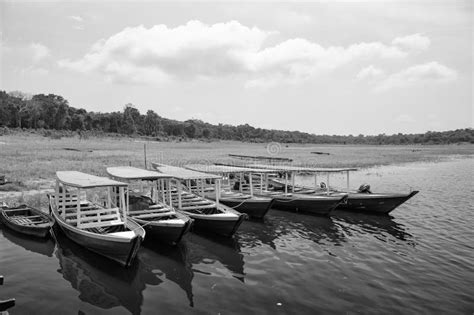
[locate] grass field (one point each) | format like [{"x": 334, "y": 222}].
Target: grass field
[{"x": 29, "y": 162}]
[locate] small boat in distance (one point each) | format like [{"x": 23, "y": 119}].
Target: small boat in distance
[
  {"x": 254, "y": 206},
  {"x": 105, "y": 230},
  {"x": 26, "y": 220},
  {"x": 209, "y": 216},
  {"x": 159, "y": 219}
]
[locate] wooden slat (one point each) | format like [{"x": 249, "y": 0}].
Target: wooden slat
[
  {"x": 103, "y": 218},
  {"x": 198, "y": 207},
  {"x": 101, "y": 224},
  {"x": 149, "y": 211},
  {"x": 153, "y": 215}
]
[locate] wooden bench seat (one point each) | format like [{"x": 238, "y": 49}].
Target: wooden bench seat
[
  {"x": 152, "y": 215},
  {"x": 198, "y": 207},
  {"x": 149, "y": 211}
]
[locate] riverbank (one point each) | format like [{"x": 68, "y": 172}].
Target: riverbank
[{"x": 29, "y": 162}]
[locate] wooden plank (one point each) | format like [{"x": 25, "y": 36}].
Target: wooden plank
[
  {"x": 153, "y": 215},
  {"x": 149, "y": 211},
  {"x": 103, "y": 218},
  {"x": 198, "y": 207},
  {"x": 101, "y": 224}
]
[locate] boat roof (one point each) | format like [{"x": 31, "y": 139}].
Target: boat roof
[
  {"x": 182, "y": 173},
  {"x": 134, "y": 173},
  {"x": 291, "y": 168},
  {"x": 224, "y": 169},
  {"x": 83, "y": 180}
]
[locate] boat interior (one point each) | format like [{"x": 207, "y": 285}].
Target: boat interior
[
  {"x": 23, "y": 215},
  {"x": 93, "y": 217}
]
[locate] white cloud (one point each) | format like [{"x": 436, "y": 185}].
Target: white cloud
[
  {"x": 76, "y": 18},
  {"x": 197, "y": 50},
  {"x": 414, "y": 42},
  {"x": 431, "y": 72},
  {"x": 39, "y": 51},
  {"x": 370, "y": 73}
]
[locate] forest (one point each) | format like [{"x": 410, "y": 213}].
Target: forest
[{"x": 52, "y": 112}]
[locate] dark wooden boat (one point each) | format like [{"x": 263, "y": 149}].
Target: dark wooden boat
[
  {"x": 104, "y": 230},
  {"x": 256, "y": 206},
  {"x": 359, "y": 201},
  {"x": 161, "y": 222},
  {"x": 242, "y": 200},
  {"x": 311, "y": 204},
  {"x": 382, "y": 203},
  {"x": 26, "y": 220},
  {"x": 208, "y": 215}
]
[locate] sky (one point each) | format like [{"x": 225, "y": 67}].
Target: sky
[{"x": 324, "y": 67}]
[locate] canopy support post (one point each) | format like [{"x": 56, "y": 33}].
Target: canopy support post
[
  {"x": 286, "y": 183},
  {"x": 218, "y": 190},
  {"x": 179, "y": 195},
  {"x": 347, "y": 181},
  {"x": 78, "y": 210},
  {"x": 293, "y": 182},
  {"x": 251, "y": 184},
  {"x": 327, "y": 186}
]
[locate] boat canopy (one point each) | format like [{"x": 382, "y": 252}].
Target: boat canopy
[
  {"x": 134, "y": 173},
  {"x": 182, "y": 173},
  {"x": 224, "y": 169},
  {"x": 290, "y": 168},
  {"x": 83, "y": 180}
]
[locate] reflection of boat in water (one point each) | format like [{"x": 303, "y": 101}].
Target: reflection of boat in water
[
  {"x": 223, "y": 250},
  {"x": 36, "y": 245},
  {"x": 282, "y": 225},
  {"x": 376, "y": 225},
  {"x": 172, "y": 262},
  {"x": 100, "y": 282}
]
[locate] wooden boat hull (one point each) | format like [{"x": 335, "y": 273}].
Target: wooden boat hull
[
  {"x": 225, "y": 223},
  {"x": 123, "y": 252},
  {"x": 255, "y": 208},
  {"x": 317, "y": 205},
  {"x": 40, "y": 231},
  {"x": 374, "y": 203},
  {"x": 220, "y": 227},
  {"x": 167, "y": 232}
]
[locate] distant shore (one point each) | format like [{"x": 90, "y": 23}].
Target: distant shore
[{"x": 30, "y": 160}]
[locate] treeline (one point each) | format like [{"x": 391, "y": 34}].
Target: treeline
[{"x": 52, "y": 112}]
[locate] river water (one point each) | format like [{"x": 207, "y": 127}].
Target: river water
[{"x": 419, "y": 260}]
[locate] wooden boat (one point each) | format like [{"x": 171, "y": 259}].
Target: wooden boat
[
  {"x": 209, "y": 215},
  {"x": 362, "y": 200},
  {"x": 159, "y": 220},
  {"x": 26, "y": 220},
  {"x": 105, "y": 230},
  {"x": 5, "y": 304},
  {"x": 254, "y": 206},
  {"x": 291, "y": 200}
]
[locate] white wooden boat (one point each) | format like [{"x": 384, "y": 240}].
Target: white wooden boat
[
  {"x": 209, "y": 215},
  {"x": 243, "y": 200},
  {"x": 105, "y": 230},
  {"x": 159, "y": 219},
  {"x": 291, "y": 200}
]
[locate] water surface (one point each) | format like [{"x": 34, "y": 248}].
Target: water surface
[{"x": 418, "y": 260}]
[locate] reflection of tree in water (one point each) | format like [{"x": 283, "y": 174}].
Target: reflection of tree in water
[
  {"x": 172, "y": 262},
  {"x": 32, "y": 244},
  {"x": 100, "y": 281},
  {"x": 286, "y": 225},
  {"x": 221, "y": 249},
  {"x": 377, "y": 225}
]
